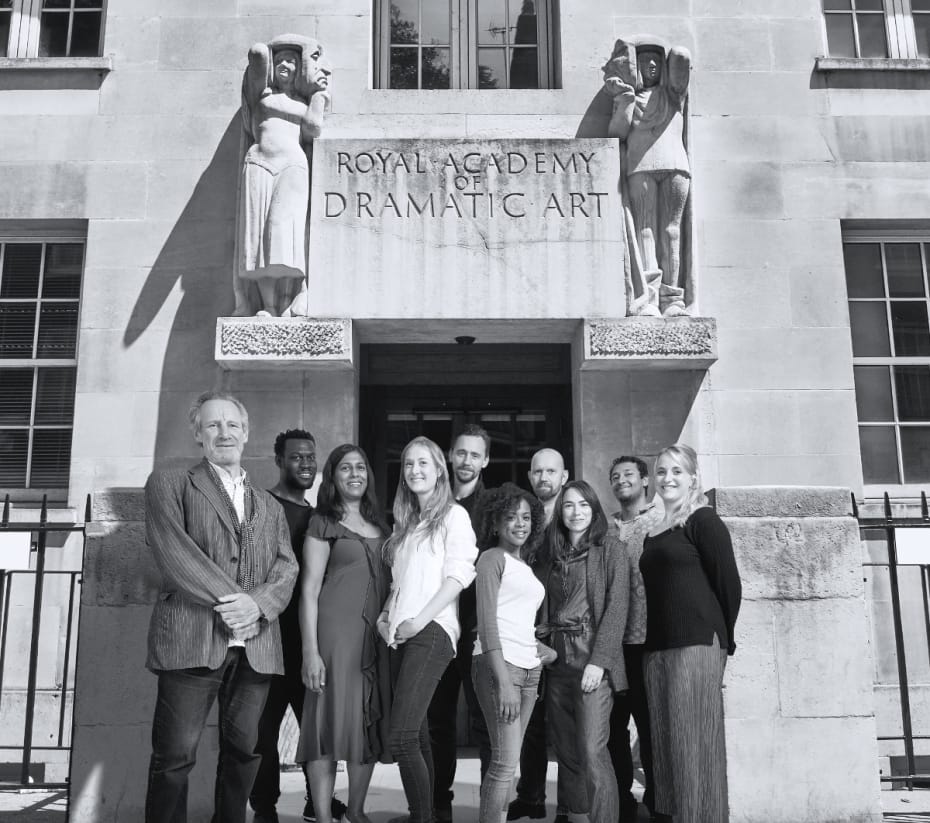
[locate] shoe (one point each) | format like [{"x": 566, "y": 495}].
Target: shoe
[
  {"x": 442, "y": 815},
  {"x": 401, "y": 818},
  {"x": 628, "y": 812},
  {"x": 270, "y": 816},
  {"x": 561, "y": 818},
  {"x": 337, "y": 809},
  {"x": 523, "y": 808}
]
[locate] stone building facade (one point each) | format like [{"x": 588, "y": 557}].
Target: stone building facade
[{"x": 803, "y": 361}]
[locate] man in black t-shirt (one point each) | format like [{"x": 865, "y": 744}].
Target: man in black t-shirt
[
  {"x": 469, "y": 455},
  {"x": 295, "y": 457}
]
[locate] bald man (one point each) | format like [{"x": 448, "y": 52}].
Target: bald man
[{"x": 547, "y": 475}]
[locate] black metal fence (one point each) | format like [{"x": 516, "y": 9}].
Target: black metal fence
[
  {"x": 55, "y": 736},
  {"x": 886, "y": 527}
]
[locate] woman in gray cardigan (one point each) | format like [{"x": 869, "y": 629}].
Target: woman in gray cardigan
[{"x": 586, "y": 577}]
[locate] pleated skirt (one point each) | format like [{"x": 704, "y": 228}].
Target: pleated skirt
[{"x": 683, "y": 687}]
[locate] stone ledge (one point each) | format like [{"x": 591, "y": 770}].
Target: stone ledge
[
  {"x": 283, "y": 342},
  {"x": 781, "y": 501},
  {"x": 650, "y": 342},
  {"x": 872, "y": 64}
]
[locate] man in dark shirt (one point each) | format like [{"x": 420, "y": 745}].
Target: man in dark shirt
[
  {"x": 469, "y": 455},
  {"x": 295, "y": 457}
]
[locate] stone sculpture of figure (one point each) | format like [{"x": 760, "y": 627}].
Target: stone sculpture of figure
[
  {"x": 649, "y": 87},
  {"x": 285, "y": 93}
]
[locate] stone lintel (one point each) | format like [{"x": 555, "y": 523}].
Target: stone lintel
[
  {"x": 284, "y": 343},
  {"x": 650, "y": 343},
  {"x": 782, "y": 501}
]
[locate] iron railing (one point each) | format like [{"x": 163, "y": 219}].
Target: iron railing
[
  {"x": 61, "y": 739},
  {"x": 888, "y": 523}
]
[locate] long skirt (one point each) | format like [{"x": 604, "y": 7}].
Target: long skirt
[{"x": 688, "y": 742}]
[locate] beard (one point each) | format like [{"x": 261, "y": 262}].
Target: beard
[{"x": 545, "y": 492}]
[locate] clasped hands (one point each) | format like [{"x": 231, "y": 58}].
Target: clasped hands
[{"x": 241, "y": 615}]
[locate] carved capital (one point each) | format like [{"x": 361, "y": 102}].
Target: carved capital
[
  {"x": 650, "y": 342},
  {"x": 276, "y": 342}
]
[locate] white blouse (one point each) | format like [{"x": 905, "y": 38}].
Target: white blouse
[{"x": 421, "y": 566}]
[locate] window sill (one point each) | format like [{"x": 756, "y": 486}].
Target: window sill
[
  {"x": 91, "y": 64},
  {"x": 825, "y": 64},
  {"x": 44, "y": 73}
]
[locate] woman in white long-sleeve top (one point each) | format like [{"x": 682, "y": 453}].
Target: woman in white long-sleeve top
[
  {"x": 432, "y": 558},
  {"x": 508, "y": 659}
]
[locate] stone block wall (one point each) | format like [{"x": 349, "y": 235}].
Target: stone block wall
[{"x": 801, "y": 733}]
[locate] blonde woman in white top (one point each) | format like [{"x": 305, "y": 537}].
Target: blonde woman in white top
[
  {"x": 508, "y": 659},
  {"x": 432, "y": 558}
]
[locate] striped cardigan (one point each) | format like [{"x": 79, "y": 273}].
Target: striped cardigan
[{"x": 192, "y": 537}]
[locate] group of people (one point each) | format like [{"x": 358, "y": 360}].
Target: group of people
[{"x": 558, "y": 621}]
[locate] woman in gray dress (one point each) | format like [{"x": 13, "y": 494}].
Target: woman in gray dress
[{"x": 345, "y": 662}]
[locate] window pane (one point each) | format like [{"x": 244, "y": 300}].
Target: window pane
[
  {"x": 920, "y": 5},
  {"x": 870, "y": 5},
  {"x": 51, "y": 458},
  {"x": 88, "y": 4},
  {"x": 492, "y": 22},
  {"x": 905, "y": 275},
  {"x": 531, "y": 431},
  {"x": 21, "y": 263},
  {"x": 524, "y": 69},
  {"x": 5, "y": 15},
  {"x": 910, "y": 329},
  {"x": 922, "y": 29},
  {"x": 833, "y": 5},
  {"x": 56, "y": 4},
  {"x": 13, "y": 447},
  {"x": 57, "y": 330},
  {"x": 17, "y": 328},
  {"x": 53, "y": 34},
  {"x": 869, "y": 329},
  {"x": 872, "y": 40},
  {"x": 873, "y": 394},
  {"x": 405, "y": 27},
  {"x": 840, "y": 41},
  {"x": 55, "y": 397},
  {"x": 492, "y": 69},
  {"x": 879, "y": 454},
  {"x": 915, "y": 451},
  {"x": 85, "y": 34},
  {"x": 500, "y": 429},
  {"x": 436, "y": 23},
  {"x": 404, "y": 68},
  {"x": 523, "y": 22},
  {"x": 912, "y": 384},
  {"x": 435, "y": 68},
  {"x": 63, "y": 262},
  {"x": 863, "y": 263},
  {"x": 15, "y": 396}
]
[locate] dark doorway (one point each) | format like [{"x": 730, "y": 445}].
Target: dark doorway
[{"x": 520, "y": 393}]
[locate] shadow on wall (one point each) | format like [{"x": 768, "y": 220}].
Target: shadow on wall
[
  {"x": 596, "y": 117},
  {"x": 197, "y": 260}
]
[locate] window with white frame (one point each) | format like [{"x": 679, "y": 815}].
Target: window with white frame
[
  {"x": 465, "y": 44},
  {"x": 51, "y": 28},
  {"x": 877, "y": 28},
  {"x": 886, "y": 282},
  {"x": 40, "y": 289}
]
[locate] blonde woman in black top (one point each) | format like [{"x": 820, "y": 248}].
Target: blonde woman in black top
[{"x": 692, "y": 598}]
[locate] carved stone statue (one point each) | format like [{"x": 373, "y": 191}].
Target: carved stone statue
[
  {"x": 649, "y": 87},
  {"x": 285, "y": 93}
]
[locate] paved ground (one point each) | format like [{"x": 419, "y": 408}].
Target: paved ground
[{"x": 386, "y": 799}]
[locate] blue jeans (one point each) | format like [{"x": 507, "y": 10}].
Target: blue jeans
[
  {"x": 506, "y": 738},
  {"x": 185, "y": 697},
  {"x": 417, "y": 666},
  {"x": 580, "y": 727}
]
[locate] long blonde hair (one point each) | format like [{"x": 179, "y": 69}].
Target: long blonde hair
[
  {"x": 407, "y": 513},
  {"x": 685, "y": 457}
]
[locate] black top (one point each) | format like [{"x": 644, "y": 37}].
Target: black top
[
  {"x": 468, "y": 602},
  {"x": 298, "y": 517},
  {"x": 692, "y": 584}
]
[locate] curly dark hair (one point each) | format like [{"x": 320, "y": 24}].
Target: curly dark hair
[
  {"x": 290, "y": 434},
  {"x": 498, "y": 503},
  {"x": 557, "y": 545},
  {"x": 328, "y": 502}
]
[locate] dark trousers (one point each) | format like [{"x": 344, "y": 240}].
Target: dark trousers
[
  {"x": 417, "y": 666},
  {"x": 184, "y": 700},
  {"x": 285, "y": 690},
  {"x": 631, "y": 703},
  {"x": 534, "y": 761},
  {"x": 443, "y": 711}
]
